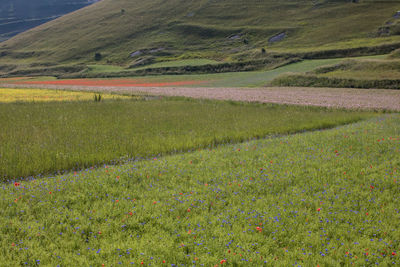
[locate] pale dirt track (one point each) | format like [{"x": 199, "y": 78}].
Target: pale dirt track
[{"x": 327, "y": 97}]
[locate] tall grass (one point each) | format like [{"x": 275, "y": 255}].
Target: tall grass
[
  {"x": 47, "y": 137},
  {"x": 327, "y": 198}
]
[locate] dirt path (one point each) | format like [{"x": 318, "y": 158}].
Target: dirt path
[{"x": 328, "y": 97}]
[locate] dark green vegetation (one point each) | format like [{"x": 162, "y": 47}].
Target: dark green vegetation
[
  {"x": 324, "y": 198},
  {"x": 46, "y": 137},
  {"x": 350, "y": 73},
  {"x": 234, "y": 79},
  {"x": 253, "y": 65},
  {"x": 136, "y": 33},
  {"x": 20, "y": 15}
]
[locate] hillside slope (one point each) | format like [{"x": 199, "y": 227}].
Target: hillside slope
[
  {"x": 126, "y": 31},
  {"x": 17, "y": 16}
]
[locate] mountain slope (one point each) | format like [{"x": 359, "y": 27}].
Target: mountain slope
[
  {"x": 125, "y": 31},
  {"x": 20, "y": 15}
]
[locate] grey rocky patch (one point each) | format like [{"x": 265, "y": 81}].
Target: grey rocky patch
[
  {"x": 397, "y": 15},
  {"x": 152, "y": 51},
  {"x": 137, "y": 53},
  {"x": 141, "y": 62},
  {"x": 235, "y": 37},
  {"x": 277, "y": 38}
]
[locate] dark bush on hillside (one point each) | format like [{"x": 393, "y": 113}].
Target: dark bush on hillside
[{"x": 98, "y": 56}]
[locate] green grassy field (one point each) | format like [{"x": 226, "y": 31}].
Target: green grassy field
[
  {"x": 124, "y": 31},
  {"x": 322, "y": 198},
  {"x": 179, "y": 63},
  {"x": 41, "y": 138},
  {"x": 231, "y": 79},
  {"x": 359, "y": 73},
  {"x": 104, "y": 68},
  {"x": 369, "y": 70},
  {"x": 241, "y": 79}
]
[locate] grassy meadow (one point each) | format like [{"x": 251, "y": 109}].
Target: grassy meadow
[
  {"x": 170, "y": 181},
  {"x": 322, "y": 198},
  {"x": 42, "y": 138}
]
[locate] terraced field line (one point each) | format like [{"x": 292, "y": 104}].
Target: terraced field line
[{"x": 327, "y": 97}]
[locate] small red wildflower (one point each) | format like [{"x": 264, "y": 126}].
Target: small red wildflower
[
  {"x": 222, "y": 261},
  {"x": 393, "y": 253},
  {"x": 371, "y": 186},
  {"x": 259, "y": 229},
  {"x": 13, "y": 244},
  {"x": 188, "y": 210},
  {"x": 131, "y": 213},
  {"x": 16, "y": 184},
  {"x": 163, "y": 261},
  {"x": 319, "y": 209},
  {"x": 50, "y": 192}
]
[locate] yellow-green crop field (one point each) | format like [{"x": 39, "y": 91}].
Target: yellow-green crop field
[{"x": 8, "y": 95}]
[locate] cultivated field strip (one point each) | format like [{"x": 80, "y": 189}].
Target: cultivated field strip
[{"x": 326, "y": 97}]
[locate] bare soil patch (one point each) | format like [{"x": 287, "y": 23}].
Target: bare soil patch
[{"x": 327, "y": 97}]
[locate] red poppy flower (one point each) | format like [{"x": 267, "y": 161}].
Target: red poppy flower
[{"x": 16, "y": 184}]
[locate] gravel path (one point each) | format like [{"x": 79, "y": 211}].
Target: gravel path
[{"x": 328, "y": 97}]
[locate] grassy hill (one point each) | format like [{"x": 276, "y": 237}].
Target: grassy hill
[{"x": 135, "y": 32}]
